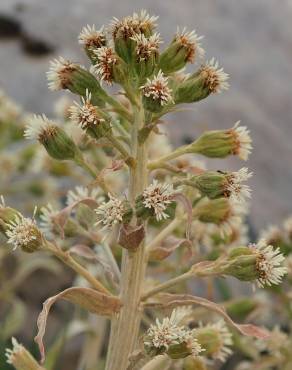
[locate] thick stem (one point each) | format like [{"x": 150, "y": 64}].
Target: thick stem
[{"x": 125, "y": 327}]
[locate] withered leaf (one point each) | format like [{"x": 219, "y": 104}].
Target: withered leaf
[{"x": 90, "y": 299}]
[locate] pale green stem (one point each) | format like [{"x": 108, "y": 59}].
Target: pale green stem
[
  {"x": 160, "y": 162},
  {"x": 126, "y": 156},
  {"x": 167, "y": 284},
  {"x": 125, "y": 326}
]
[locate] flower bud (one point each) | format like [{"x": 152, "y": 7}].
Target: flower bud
[
  {"x": 215, "y": 339},
  {"x": 90, "y": 118},
  {"x": 110, "y": 67},
  {"x": 241, "y": 308},
  {"x": 184, "y": 48},
  {"x": 55, "y": 140},
  {"x": 156, "y": 201},
  {"x": 123, "y": 30},
  {"x": 23, "y": 233},
  {"x": 7, "y": 214},
  {"x": 215, "y": 184},
  {"x": 92, "y": 39},
  {"x": 209, "y": 79},
  {"x": 113, "y": 212},
  {"x": 169, "y": 337},
  {"x": 64, "y": 74},
  {"x": 260, "y": 262},
  {"x": 20, "y": 358},
  {"x": 146, "y": 54},
  {"x": 221, "y": 143},
  {"x": 194, "y": 363},
  {"x": 156, "y": 93}
]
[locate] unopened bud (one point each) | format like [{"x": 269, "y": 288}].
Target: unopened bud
[
  {"x": 109, "y": 66},
  {"x": 209, "y": 79},
  {"x": 90, "y": 118},
  {"x": 215, "y": 339},
  {"x": 240, "y": 308},
  {"x": 184, "y": 48},
  {"x": 125, "y": 29},
  {"x": 215, "y": 184},
  {"x": 64, "y": 74},
  {"x": 92, "y": 39},
  {"x": 156, "y": 93},
  {"x": 146, "y": 57},
  {"x": 55, "y": 140},
  {"x": 221, "y": 143},
  {"x": 7, "y": 214}
]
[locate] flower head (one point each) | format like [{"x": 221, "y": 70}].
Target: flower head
[
  {"x": 221, "y": 340},
  {"x": 168, "y": 334},
  {"x": 269, "y": 264},
  {"x": 92, "y": 38},
  {"x": 47, "y": 224},
  {"x": 234, "y": 188},
  {"x": 110, "y": 213},
  {"x": 145, "y": 47},
  {"x": 39, "y": 127},
  {"x": 23, "y": 232},
  {"x": 82, "y": 192},
  {"x": 157, "y": 89},
  {"x": 85, "y": 115},
  {"x": 129, "y": 26},
  {"x": 214, "y": 76},
  {"x": 60, "y": 73},
  {"x": 242, "y": 141},
  {"x": 272, "y": 235},
  {"x": 157, "y": 197},
  {"x": 106, "y": 59},
  {"x": 191, "y": 42}
]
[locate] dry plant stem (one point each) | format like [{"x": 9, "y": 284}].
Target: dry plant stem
[
  {"x": 125, "y": 327},
  {"x": 69, "y": 261},
  {"x": 166, "y": 285}
]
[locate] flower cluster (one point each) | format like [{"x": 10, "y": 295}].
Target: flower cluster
[
  {"x": 161, "y": 337},
  {"x": 157, "y": 89},
  {"x": 157, "y": 197},
  {"x": 110, "y": 213},
  {"x": 269, "y": 264},
  {"x": 214, "y": 76}
]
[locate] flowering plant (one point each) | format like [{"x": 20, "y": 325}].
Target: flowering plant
[{"x": 149, "y": 208}]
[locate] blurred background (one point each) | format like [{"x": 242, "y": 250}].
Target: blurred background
[{"x": 252, "y": 41}]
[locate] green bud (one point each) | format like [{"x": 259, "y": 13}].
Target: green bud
[
  {"x": 70, "y": 76},
  {"x": 213, "y": 211},
  {"x": 209, "y": 339},
  {"x": 7, "y": 215},
  {"x": 241, "y": 308},
  {"x": 209, "y": 79},
  {"x": 183, "y": 49},
  {"x": 55, "y": 140},
  {"x": 90, "y": 118},
  {"x": 181, "y": 350},
  {"x": 211, "y": 183},
  {"x": 194, "y": 363},
  {"x": 125, "y": 29},
  {"x": 92, "y": 39},
  {"x": 156, "y": 93},
  {"x": 242, "y": 264}
]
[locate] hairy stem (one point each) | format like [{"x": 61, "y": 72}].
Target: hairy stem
[{"x": 125, "y": 326}]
